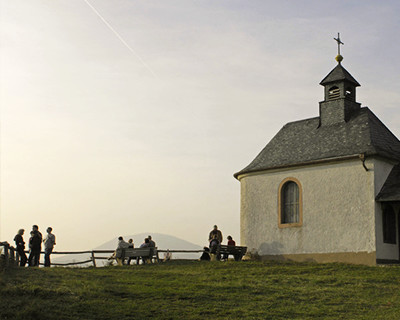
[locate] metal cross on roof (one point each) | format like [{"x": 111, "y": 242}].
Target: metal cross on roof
[{"x": 339, "y": 42}]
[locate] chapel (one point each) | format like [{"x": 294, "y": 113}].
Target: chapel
[{"x": 326, "y": 189}]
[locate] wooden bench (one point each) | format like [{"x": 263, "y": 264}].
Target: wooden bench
[
  {"x": 145, "y": 253},
  {"x": 223, "y": 251}
]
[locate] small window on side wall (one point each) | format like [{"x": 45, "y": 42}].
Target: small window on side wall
[
  {"x": 290, "y": 203},
  {"x": 389, "y": 224}
]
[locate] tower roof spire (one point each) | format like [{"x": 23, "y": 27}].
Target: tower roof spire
[
  {"x": 339, "y": 57},
  {"x": 339, "y": 74}
]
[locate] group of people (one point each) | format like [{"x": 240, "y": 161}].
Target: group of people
[
  {"x": 122, "y": 244},
  {"x": 35, "y": 246},
  {"x": 214, "y": 239}
]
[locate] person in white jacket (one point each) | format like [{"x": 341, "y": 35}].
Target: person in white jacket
[
  {"x": 49, "y": 243},
  {"x": 122, "y": 244}
]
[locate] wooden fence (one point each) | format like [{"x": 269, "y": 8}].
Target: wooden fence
[
  {"x": 8, "y": 254},
  {"x": 11, "y": 255}
]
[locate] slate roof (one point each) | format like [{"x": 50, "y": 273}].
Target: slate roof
[
  {"x": 304, "y": 141},
  {"x": 339, "y": 74},
  {"x": 391, "y": 189}
]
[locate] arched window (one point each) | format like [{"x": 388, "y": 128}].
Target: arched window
[
  {"x": 290, "y": 203},
  {"x": 389, "y": 224},
  {"x": 334, "y": 93}
]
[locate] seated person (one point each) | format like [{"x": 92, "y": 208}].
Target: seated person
[
  {"x": 167, "y": 256},
  {"x": 231, "y": 242},
  {"x": 206, "y": 255},
  {"x": 214, "y": 244},
  {"x": 119, "y": 252},
  {"x": 131, "y": 245},
  {"x": 145, "y": 244},
  {"x": 152, "y": 245}
]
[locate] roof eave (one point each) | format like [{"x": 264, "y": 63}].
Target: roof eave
[{"x": 304, "y": 163}]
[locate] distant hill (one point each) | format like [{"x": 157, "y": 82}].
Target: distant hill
[{"x": 163, "y": 242}]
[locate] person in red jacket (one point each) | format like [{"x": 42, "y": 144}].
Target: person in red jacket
[{"x": 231, "y": 242}]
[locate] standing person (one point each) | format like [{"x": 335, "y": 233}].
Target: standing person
[
  {"x": 30, "y": 241},
  {"x": 215, "y": 234},
  {"x": 20, "y": 244},
  {"x": 35, "y": 243},
  {"x": 49, "y": 243}
]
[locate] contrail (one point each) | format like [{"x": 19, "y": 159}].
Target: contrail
[{"x": 121, "y": 39}]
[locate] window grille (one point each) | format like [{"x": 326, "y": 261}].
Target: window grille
[
  {"x": 290, "y": 203},
  {"x": 334, "y": 93}
]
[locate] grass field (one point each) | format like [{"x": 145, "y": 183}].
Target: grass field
[{"x": 203, "y": 290}]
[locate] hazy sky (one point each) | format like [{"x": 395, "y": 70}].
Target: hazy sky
[{"x": 100, "y": 140}]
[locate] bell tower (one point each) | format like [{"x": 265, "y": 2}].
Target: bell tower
[{"x": 340, "y": 94}]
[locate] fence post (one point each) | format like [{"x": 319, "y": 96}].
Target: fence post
[
  {"x": 93, "y": 259},
  {"x": 12, "y": 255}
]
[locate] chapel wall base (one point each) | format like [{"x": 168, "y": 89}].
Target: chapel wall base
[{"x": 364, "y": 258}]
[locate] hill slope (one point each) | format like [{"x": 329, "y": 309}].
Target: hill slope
[{"x": 202, "y": 290}]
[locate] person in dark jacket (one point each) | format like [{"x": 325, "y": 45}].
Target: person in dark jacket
[
  {"x": 35, "y": 243},
  {"x": 215, "y": 234},
  {"x": 214, "y": 244},
  {"x": 131, "y": 245},
  {"x": 206, "y": 254},
  {"x": 152, "y": 245},
  {"x": 145, "y": 244},
  {"x": 20, "y": 246}
]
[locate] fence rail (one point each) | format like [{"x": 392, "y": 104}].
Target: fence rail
[
  {"x": 181, "y": 251},
  {"x": 71, "y": 263},
  {"x": 11, "y": 256}
]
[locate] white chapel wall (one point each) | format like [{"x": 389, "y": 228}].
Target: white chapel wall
[{"x": 338, "y": 210}]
